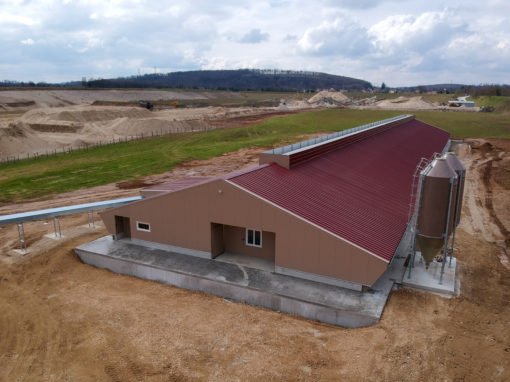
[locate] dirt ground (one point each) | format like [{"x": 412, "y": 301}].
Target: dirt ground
[
  {"x": 16, "y": 98},
  {"x": 62, "y": 320}
]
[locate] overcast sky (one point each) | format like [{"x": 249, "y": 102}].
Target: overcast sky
[{"x": 393, "y": 41}]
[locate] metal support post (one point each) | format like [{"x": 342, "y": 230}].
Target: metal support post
[
  {"x": 445, "y": 248},
  {"x": 413, "y": 254},
  {"x": 90, "y": 218},
  {"x": 414, "y": 229},
  {"x": 56, "y": 224},
  {"x": 21, "y": 236}
]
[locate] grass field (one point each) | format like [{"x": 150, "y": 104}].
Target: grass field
[{"x": 36, "y": 178}]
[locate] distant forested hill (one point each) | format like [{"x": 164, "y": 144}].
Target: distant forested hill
[{"x": 237, "y": 80}]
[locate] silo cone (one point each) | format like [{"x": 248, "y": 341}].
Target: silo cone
[
  {"x": 434, "y": 207},
  {"x": 429, "y": 247}
]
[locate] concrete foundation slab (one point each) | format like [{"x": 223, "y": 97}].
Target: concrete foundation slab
[
  {"x": 22, "y": 252},
  {"x": 237, "y": 281},
  {"x": 429, "y": 280},
  {"x": 53, "y": 237},
  {"x": 247, "y": 261}
]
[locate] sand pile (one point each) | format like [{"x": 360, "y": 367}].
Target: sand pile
[
  {"x": 11, "y": 99},
  {"x": 17, "y": 139},
  {"x": 96, "y": 114},
  {"x": 406, "y": 103},
  {"x": 83, "y": 115},
  {"x": 47, "y": 129},
  {"x": 326, "y": 95}
]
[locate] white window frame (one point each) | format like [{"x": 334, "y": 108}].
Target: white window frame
[
  {"x": 253, "y": 244},
  {"x": 143, "y": 229}
]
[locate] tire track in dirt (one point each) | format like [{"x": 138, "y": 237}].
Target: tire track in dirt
[
  {"x": 487, "y": 181},
  {"x": 481, "y": 216}
]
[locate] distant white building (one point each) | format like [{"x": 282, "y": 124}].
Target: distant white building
[{"x": 461, "y": 101}]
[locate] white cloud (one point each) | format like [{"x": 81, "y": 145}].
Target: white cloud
[
  {"x": 11, "y": 18},
  {"x": 412, "y": 32},
  {"x": 340, "y": 36},
  {"x": 395, "y": 41},
  {"x": 254, "y": 36},
  {"x": 27, "y": 41}
]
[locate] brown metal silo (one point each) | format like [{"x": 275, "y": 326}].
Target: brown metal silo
[
  {"x": 459, "y": 168},
  {"x": 437, "y": 194}
]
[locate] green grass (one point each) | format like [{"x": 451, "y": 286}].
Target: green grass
[
  {"x": 39, "y": 178},
  {"x": 468, "y": 124},
  {"x": 499, "y": 103}
]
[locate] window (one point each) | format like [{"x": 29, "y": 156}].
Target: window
[
  {"x": 140, "y": 226},
  {"x": 253, "y": 237}
]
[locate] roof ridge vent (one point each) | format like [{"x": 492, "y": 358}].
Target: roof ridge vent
[{"x": 295, "y": 153}]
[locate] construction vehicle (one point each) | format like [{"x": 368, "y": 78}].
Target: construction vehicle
[{"x": 147, "y": 105}]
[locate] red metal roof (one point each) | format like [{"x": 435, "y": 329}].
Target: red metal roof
[{"x": 359, "y": 192}]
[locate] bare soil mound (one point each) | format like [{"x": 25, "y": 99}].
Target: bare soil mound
[
  {"x": 17, "y": 139},
  {"x": 406, "y": 103},
  {"x": 16, "y": 130},
  {"x": 58, "y": 128},
  {"x": 95, "y": 114},
  {"x": 10, "y": 99},
  {"x": 326, "y": 95},
  {"x": 55, "y": 128}
]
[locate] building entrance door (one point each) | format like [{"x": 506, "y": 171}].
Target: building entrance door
[
  {"x": 122, "y": 227},
  {"x": 217, "y": 241}
]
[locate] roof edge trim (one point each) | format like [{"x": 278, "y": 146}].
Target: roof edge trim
[{"x": 159, "y": 195}]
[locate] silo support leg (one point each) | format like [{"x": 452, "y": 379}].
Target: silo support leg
[
  {"x": 21, "y": 236},
  {"x": 455, "y": 220},
  {"x": 56, "y": 226},
  {"x": 90, "y": 216},
  {"x": 452, "y": 248},
  {"x": 445, "y": 247}
]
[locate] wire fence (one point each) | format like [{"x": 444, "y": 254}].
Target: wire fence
[{"x": 102, "y": 142}]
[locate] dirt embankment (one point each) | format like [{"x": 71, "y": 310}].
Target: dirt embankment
[
  {"x": 12, "y": 99},
  {"x": 44, "y": 121},
  {"x": 47, "y": 129},
  {"x": 64, "y": 320}
]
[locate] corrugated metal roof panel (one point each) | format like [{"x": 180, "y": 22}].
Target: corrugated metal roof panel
[{"x": 359, "y": 192}]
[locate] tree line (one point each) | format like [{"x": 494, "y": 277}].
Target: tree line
[{"x": 236, "y": 80}]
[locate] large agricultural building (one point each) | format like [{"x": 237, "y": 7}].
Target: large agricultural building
[{"x": 332, "y": 210}]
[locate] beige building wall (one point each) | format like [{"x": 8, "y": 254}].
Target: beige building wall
[{"x": 183, "y": 219}]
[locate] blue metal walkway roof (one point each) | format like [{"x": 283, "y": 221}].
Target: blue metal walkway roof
[{"x": 61, "y": 211}]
